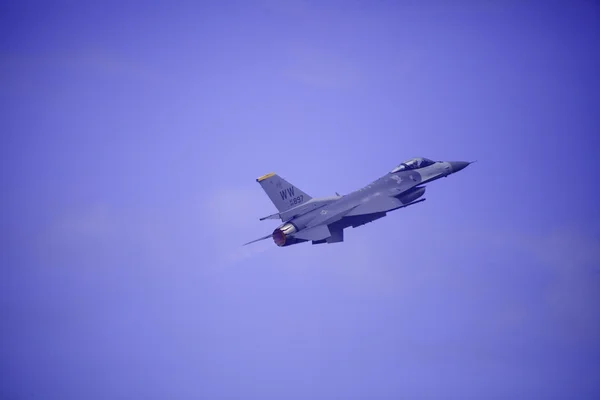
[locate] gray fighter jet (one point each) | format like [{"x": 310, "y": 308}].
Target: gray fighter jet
[{"x": 323, "y": 220}]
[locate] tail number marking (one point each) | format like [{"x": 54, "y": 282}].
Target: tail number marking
[{"x": 296, "y": 200}]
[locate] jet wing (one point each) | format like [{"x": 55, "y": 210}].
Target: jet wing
[{"x": 375, "y": 204}]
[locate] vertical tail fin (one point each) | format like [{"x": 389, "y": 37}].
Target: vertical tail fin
[{"x": 283, "y": 194}]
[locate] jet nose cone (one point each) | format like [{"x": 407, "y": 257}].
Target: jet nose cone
[{"x": 458, "y": 165}]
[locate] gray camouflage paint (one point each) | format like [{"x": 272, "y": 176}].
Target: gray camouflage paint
[{"x": 322, "y": 220}]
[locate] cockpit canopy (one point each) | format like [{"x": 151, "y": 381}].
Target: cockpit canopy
[{"x": 413, "y": 163}]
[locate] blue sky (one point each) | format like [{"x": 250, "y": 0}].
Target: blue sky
[{"x": 132, "y": 135}]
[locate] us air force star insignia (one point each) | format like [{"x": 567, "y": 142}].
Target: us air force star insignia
[{"x": 323, "y": 212}]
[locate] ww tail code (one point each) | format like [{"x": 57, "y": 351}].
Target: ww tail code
[
  {"x": 284, "y": 199},
  {"x": 287, "y": 192}
]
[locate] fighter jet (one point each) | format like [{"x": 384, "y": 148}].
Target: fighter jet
[{"x": 323, "y": 220}]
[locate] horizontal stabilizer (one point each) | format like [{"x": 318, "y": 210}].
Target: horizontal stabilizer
[
  {"x": 315, "y": 233},
  {"x": 272, "y": 216},
  {"x": 337, "y": 236},
  {"x": 258, "y": 240}
]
